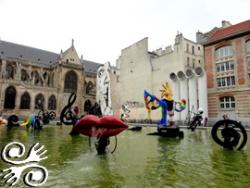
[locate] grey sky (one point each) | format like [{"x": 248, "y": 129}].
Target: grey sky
[{"x": 101, "y": 28}]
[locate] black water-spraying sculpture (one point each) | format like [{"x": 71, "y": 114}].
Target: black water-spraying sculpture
[
  {"x": 46, "y": 116},
  {"x": 229, "y": 134}
]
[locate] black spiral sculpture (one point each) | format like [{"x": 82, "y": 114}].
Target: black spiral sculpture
[{"x": 229, "y": 134}]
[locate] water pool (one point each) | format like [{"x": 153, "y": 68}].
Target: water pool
[{"x": 139, "y": 161}]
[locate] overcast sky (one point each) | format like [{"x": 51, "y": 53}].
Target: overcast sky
[{"x": 101, "y": 28}]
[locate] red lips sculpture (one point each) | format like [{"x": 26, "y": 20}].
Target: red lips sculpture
[{"x": 91, "y": 125}]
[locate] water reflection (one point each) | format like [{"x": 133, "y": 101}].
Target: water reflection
[
  {"x": 161, "y": 169},
  {"x": 230, "y": 168},
  {"x": 139, "y": 161}
]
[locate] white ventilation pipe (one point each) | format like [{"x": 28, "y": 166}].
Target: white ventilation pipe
[
  {"x": 173, "y": 76},
  {"x": 202, "y": 90},
  {"x": 176, "y": 92},
  {"x": 192, "y": 91},
  {"x": 183, "y": 92}
]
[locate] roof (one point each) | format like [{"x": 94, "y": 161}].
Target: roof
[
  {"x": 90, "y": 66},
  {"x": 36, "y": 56},
  {"x": 10, "y": 50},
  {"x": 230, "y": 31}
]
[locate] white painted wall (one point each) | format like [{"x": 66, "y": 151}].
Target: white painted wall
[{"x": 139, "y": 70}]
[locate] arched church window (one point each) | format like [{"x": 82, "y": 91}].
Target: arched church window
[
  {"x": 45, "y": 75},
  {"x": 87, "y": 105},
  {"x": 39, "y": 101},
  {"x": 24, "y": 75},
  {"x": 10, "y": 98},
  {"x": 52, "y": 103},
  {"x": 10, "y": 71},
  {"x": 89, "y": 88},
  {"x": 25, "y": 101},
  {"x": 37, "y": 77},
  {"x": 70, "y": 82}
]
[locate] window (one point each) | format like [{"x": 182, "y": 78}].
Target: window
[
  {"x": 199, "y": 48},
  {"x": 52, "y": 103},
  {"x": 187, "y": 47},
  {"x": 87, "y": 105},
  {"x": 25, "y": 101},
  {"x": 227, "y": 102},
  {"x": 45, "y": 75},
  {"x": 188, "y": 61},
  {"x": 193, "y": 63},
  {"x": 37, "y": 80},
  {"x": 39, "y": 102},
  {"x": 10, "y": 98},
  {"x": 10, "y": 71},
  {"x": 226, "y": 81},
  {"x": 90, "y": 88},
  {"x": 223, "y": 52},
  {"x": 248, "y": 46},
  {"x": 24, "y": 75},
  {"x": 193, "y": 50},
  {"x": 70, "y": 82},
  {"x": 225, "y": 66}
]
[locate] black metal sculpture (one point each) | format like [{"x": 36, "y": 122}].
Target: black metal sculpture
[
  {"x": 229, "y": 134},
  {"x": 67, "y": 116},
  {"x": 13, "y": 121},
  {"x": 46, "y": 116},
  {"x": 95, "y": 110},
  {"x": 195, "y": 121}
]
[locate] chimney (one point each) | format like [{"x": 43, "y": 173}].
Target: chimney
[{"x": 225, "y": 24}]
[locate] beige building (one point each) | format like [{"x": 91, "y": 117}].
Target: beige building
[
  {"x": 138, "y": 69},
  {"x": 32, "y": 79}
]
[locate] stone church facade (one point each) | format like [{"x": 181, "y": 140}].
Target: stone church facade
[{"x": 32, "y": 79}]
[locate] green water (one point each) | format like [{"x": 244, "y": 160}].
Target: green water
[{"x": 139, "y": 161}]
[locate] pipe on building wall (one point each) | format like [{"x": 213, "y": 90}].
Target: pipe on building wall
[
  {"x": 202, "y": 90},
  {"x": 183, "y": 92},
  {"x": 176, "y": 92},
  {"x": 191, "y": 85},
  {"x": 192, "y": 91}
]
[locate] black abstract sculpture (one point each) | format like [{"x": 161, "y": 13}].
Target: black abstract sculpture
[
  {"x": 13, "y": 121},
  {"x": 46, "y": 116},
  {"x": 229, "y": 134},
  {"x": 67, "y": 116}
]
